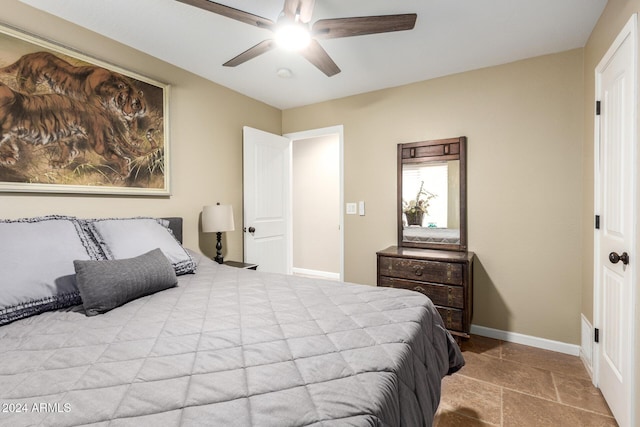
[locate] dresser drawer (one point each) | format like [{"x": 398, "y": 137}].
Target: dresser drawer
[
  {"x": 413, "y": 269},
  {"x": 452, "y": 318},
  {"x": 450, "y": 296}
]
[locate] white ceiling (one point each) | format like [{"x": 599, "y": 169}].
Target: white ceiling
[{"x": 450, "y": 36}]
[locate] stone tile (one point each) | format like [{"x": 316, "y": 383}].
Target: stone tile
[
  {"x": 513, "y": 375},
  {"x": 471, "y": 398},
  {"x": 446, "y": 418},
  {"x": 513, "y": 385},
  {"x": 482, "y": 345},
  {"x": 522, "y": 410},
  {"x": 580, "y": 393},
  {"x": 545, "y": 359}
]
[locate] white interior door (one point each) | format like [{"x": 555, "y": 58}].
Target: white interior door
[
  {"x": 267, "y": 204},
  {"x": 614, "y": 244}
]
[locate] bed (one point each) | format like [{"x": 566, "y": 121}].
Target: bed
[{"x": 217, "y": 346}]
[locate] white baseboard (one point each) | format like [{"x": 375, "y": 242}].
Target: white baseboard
[
  {"x": 316, "y": 273},
  {"x": 586, "y": 344},
  {"x": 529, "y": 340}
]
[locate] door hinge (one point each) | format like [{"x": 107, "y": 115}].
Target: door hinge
[
  {"x": 597, "y": 222},
  {"x": 597, "y": 108},
  {"x": 596, "y": 335}
]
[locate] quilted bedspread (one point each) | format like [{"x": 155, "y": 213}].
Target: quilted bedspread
[{"x": 232, "y": 347}]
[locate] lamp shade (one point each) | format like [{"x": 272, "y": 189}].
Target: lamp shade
[{"x": 217, "y": 218}]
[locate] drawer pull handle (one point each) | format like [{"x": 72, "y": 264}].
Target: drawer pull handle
[
  {"x": 449, "y": 318},
  {"x": 418, "y": 271},
  {"x": 420, "y": 289},
  {"x": 450, "y": 296}
]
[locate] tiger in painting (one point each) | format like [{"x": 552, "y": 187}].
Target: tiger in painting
[
  {"x": 44, "y": 119},
  {"x": 91, "y": 83}
]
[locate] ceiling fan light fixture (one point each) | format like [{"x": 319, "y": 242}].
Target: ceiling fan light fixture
[{"x": 293, "y": 36}]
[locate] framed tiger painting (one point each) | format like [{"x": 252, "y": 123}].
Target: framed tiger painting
[{"x": 75, "y": 124}]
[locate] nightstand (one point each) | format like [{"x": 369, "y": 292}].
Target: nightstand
[{"x": 244, "y": 265}]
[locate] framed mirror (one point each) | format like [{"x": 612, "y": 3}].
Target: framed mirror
[{"x": 432, "y": 194}]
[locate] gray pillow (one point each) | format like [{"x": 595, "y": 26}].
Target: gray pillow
[
  {"x": 36, "y": 264},
  {"x": 129, "y": 237},
  {"x": 108, "y": 284}
]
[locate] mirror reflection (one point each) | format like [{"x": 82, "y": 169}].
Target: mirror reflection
[{"x": 431, "y": 202}]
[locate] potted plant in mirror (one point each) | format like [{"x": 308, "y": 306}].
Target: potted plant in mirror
[{"x": 415, "y": 209}]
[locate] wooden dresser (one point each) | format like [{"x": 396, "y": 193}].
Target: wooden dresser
[{"x": 446, "y": 277}]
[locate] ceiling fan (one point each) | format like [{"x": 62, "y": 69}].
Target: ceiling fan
[{"x": 293, "y": 31}]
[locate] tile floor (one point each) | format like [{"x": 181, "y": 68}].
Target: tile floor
[{"x": 513, "y": 385}]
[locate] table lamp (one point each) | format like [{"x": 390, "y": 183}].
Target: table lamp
[{"x": 217, "y": 219}]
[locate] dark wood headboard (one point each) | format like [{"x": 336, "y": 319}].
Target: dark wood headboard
[{"x": 175, "y": 224}]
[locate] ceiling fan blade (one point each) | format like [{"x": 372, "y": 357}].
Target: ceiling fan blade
[
  {"x": 363, "y": 25},
  {"x": 290, "y": 8},
  {"x": 319, "y": 57},
  {"x": 230, "y": 12},
  {"x": 304, "y": 7},
  {"x": 262, "y": 47},
  {"x": 306, "y": 10}
]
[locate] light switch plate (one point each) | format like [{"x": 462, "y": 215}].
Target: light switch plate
[
  {"x": 351, "y": 208},
  {"x": 361, "y": 208}
]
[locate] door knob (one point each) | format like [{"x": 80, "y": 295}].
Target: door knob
[
  {"x": 614, "y": 258},
  {"x": 252, "y": 230}
]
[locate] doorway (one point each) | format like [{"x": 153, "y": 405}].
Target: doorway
[
  {"x": 317, "y": 200},
  {"x": 267, "y": 185}
]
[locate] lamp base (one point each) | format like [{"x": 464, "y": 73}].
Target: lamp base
[{"x": 218, "y": 257}]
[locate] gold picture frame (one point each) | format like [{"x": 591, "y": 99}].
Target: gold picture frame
[{"x": 70, "y": 123}]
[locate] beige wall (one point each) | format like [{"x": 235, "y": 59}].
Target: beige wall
[
  {"x": 611, "y": 22},
  {"x": 316, "y": 204},
  {"x": 524, "y": 123},
  {"x": 205, "y": 131}
]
